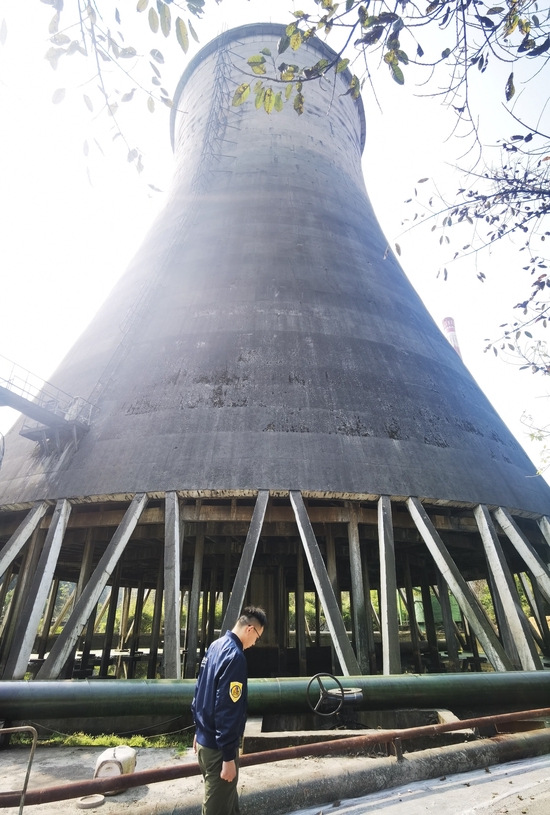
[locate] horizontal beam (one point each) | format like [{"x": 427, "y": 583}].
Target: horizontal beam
[{"x": 275, "y": 514}]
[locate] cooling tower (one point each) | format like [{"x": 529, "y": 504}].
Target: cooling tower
[{"x": 264, "y": 383}]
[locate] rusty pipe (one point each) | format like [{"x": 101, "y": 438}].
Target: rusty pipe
[{"x": 339, "y": 746}]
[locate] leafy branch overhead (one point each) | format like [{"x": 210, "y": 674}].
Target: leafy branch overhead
[{"x": 97, "y": 32}]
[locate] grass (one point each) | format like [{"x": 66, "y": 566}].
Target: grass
[{"x": 178, "y": 741}]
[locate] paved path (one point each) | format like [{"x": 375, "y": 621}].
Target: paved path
[{"x": 517, "y": 788}]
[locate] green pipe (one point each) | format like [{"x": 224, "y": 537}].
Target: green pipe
[{"x": 98, "y": 698}]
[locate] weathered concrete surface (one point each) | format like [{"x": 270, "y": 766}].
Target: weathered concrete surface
[
  {"x": 263, "y": 338},
  {"x": 287, "y": 786}
]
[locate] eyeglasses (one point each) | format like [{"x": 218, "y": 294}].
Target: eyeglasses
[{"x": 258, "y": 635}]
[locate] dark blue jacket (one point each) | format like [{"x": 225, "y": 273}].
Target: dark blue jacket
[{"x": 219, "y": 706}]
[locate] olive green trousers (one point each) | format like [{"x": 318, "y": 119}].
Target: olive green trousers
[{"x": 220, "y": 797}]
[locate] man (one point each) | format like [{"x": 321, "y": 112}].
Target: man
[{"x": 219, "y": 711}]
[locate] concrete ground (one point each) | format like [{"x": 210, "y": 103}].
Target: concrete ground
[{"x": 308, "y": 786}]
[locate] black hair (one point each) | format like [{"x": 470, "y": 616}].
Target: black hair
[{"x": 251, "y": 613}]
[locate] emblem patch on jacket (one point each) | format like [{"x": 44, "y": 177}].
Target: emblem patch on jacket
[{"x": 235, "y": 690}]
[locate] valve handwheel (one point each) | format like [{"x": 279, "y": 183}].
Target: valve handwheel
[{"x": 333, "y": 697}]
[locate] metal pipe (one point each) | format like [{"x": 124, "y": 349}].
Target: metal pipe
[
  {"x": 106, "y": 698},
  {"x": 539, "y": 742}
]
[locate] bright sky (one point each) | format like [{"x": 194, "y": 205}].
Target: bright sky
[{"x": 65, "y": 241}]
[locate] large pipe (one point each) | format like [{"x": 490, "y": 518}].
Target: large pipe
[
  {"x": 133, "y": 697},
  {"x": 535, "y": 743}
]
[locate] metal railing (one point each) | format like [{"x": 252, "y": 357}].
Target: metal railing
[{"x": 38, "y": 391}]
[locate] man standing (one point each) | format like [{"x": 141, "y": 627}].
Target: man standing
[{"x": 219, "y": 711}]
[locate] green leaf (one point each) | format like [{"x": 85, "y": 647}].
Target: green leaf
[
  {"x": 128, "y": 53},
  {"x": 241, "y": 94},
  {"x": 495, "y": 10},
  {"x": 299, "y": 104},
  {"x": 510, "y": 89},
  {"x": 88, "y": 103},
  {"x": 260, "y": 96},
  {"x": 58, "y": 96},
  {"x": 296, "y": 40},
  {"x": 157, "y": 56},
  {"x": 397, "y": 74},
  {"x": 341, "y": 65},
  {"x": 445, "y": 53},
  {"x": 266, "y": 51},
  {"x": 165, "y": 19},
  {"x": 283, "y": 44},
  {"x": 167, "y": 101},
  {"x": 256, "y": 62},
  {"x": 402, "y": 57},
  {"x": 192, "y": 31},
  {"x": 127, "y": 97},
  {"x": 142, "y": 5},
  {"x": 269, "y": 100},
  {"x": 153, "y": 20},
  {"x": 279, "y": 102},
  {"x": 182, "y": 35},
  {"x": 288, "y": 91},
  {"x": 398, "y": 249},
  {"x": 432, "y": 7},
  {"x": 151, "y": 104}
]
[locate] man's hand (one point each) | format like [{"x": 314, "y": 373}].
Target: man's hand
[{"x": 229, "y": 771}]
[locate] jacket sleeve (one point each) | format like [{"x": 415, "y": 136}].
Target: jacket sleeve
[{"x": 230, "y": 713}]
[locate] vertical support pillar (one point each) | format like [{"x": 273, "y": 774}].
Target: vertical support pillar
[
  {"x": 194, "y": 600},
  {"x": 369, "y": 613},
  {"x": 505, "y": 586},
  {"x": 110, "y": 624},
  {"x": 540, "y": 611},
  {"x": 27, "y": 625},
  {"x": 448, "y": 623},
  {"x": 226, "y": 580},
  {"x": 431, "y": 633},
  {"x": 389, "y": 622},
  {"x": 157, "y": 623},
  {"x": 357, "y": 590},
  {"x": 133, "y": 640},
  {"x": 172, "y": 569},
  {"x": 282, "y": 617},
  {"x": 299, "y": 613},
  {"x": 212, "y": 601},
  {"x": 413, "y": 625}
]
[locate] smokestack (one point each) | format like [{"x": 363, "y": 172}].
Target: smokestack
[{"x": 450, "y": 331}]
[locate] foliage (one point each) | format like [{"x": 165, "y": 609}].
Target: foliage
[{"x": 181, "y": 740}]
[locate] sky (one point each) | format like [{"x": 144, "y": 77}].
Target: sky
[{"x": 71, "y": 222}]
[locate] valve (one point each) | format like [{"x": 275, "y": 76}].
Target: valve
[{"x": 331, "y": 698}]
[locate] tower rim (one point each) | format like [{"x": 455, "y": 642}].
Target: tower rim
[{"x": 254, "y": 29}]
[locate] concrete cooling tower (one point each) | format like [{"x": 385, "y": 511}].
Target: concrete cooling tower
[{"x": 264, "y": 411}]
